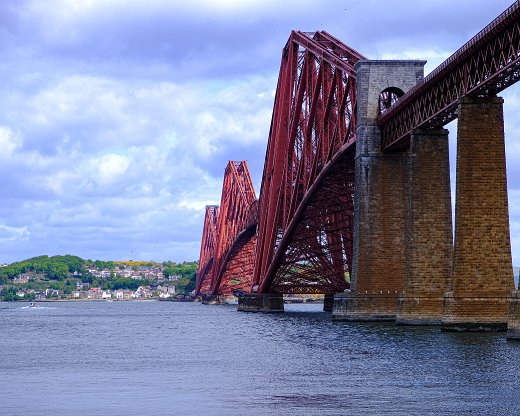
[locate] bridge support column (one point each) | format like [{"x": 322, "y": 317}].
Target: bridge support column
[
  {"x": 218, "y": 299},
  {"x": 429, "y": 241},
  {"x": 513, "y": 326},
  {"x": 260, "y": 302},
  {"x": 380, "y": 202},
  {"x": 328, "y": 302},
  {"x": 210, "y": 300},
  {"x": 482, "y": 280},
  {"x": 380, "y": 241},
  {"x": 355, "y": 306}
]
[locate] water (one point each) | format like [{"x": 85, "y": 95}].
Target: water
[{"x": 165, "y": 358}]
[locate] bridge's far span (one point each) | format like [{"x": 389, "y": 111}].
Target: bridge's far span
[
  {"x": 229, "y": 237},
  {"x": 355, "y": 197},
  {"x": 207, "y": 250}
]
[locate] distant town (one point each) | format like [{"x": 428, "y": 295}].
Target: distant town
[{"x": 68, "y": 277}]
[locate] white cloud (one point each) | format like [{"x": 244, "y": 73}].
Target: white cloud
[
  {"x": 13, "y": 234},
  {"x": 195, "y": 205},
  {"x": 56, "y": 182},
  {"x": 119, "y": 116},
  {"x": 111, "y": 168},
  {"x": 66, "y": 11},
  {"x": 9, "y": 143}
]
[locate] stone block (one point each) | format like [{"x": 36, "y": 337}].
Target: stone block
[
  {"x": 361, "y": 307},
  {"x": 419, "y": 310},
  {"x": 328, "y": 302},
  {"x": 485, "y": 313},
  {"x": 264, "y": 302},
  {"x": 513, "y": 326}
]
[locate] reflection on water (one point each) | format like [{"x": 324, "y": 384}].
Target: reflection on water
[{"x": 165, "y": 358}]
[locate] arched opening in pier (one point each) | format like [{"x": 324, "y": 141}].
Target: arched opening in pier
[{"x": 388, "y": 98}]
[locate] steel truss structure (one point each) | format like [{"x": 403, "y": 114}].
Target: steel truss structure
[
  {"x": 207, "y": 250},
  {"x": 298, "y": 237},
  {"x": 484, "y": 66},
  {"x": 305, "y": 208},
  {"x": 229, "y": 237}
]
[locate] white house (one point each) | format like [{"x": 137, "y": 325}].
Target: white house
[{"x": 106, "y": 294}]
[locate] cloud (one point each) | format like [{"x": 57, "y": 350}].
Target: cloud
[
  {"x": 195, "y": 205},
  {"x": 118, "y": 117},
  {"x": 111, "y": 167},
  {"x": 12, "y": 234},
  {"x": 9, "y": 143}
]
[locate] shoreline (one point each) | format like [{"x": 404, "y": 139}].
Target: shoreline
[{"x": 94, "y": 300}]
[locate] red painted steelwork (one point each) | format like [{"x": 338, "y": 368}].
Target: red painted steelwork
[
  {"x": 484, "y": 66},
  {"x": 237, "y": 273},
  {"x": 233, "y": 260},
  {"x": 306, "y": 203},
  {"x": 303, "y": 223},
  {"x": 207, "y": 250}
]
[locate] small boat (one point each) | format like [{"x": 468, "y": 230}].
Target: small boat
[{"x": 33, "y": 305}]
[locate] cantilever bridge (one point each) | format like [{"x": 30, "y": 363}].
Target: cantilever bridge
[{"x": 355, "y": 193}]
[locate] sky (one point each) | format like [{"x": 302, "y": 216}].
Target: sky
[{"x": 118, "y": 117}]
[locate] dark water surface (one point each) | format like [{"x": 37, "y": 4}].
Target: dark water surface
[{"x": 165, "y": 358}]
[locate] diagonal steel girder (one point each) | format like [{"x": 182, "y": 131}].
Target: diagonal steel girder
[
  {"x": 238, "y": 215},
  {"x": 207, "y": 249},
  {"x": 305, "y": 208}
]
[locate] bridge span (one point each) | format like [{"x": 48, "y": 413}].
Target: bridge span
[{"x": 355, "y": 198}]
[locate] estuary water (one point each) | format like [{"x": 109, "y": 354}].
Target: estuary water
[{"x": 166, "y": 358}]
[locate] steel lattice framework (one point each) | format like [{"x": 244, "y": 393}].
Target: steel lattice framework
[
  {"x": 229, "y": 236},
  {"x": 207, "y": 250},
  {"x": 484, "y": 66},
  {"x": 306, "y": 203},
  {"x": 302, "y": 226}
]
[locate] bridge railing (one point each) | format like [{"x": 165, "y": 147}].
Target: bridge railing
[{"x": 484, "y": 66}]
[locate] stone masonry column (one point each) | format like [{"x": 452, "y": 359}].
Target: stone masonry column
[
  {"x": 380, "y": 203},
  {"x": 260, "y": 302},
  {"x": 328, "y": 302},
  {"x": 513, "y": 326},
  {"x": 429, "y": 241},
  {"x": 482, "y": 280}
]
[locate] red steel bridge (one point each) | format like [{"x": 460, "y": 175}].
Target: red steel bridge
[{"x": 333, "y": 215}]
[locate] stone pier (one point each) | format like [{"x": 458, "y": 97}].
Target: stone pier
[
  {"x": 218, "y": 299},
  {"x": 264, "y": 302},
  {"x": 482, "y": 280},
  {"x": 429, "y": 241},
  {"x": 380, "y": 202},
  {"x": 513, "y": 326},
  {"x": 328, "y": 302}
]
